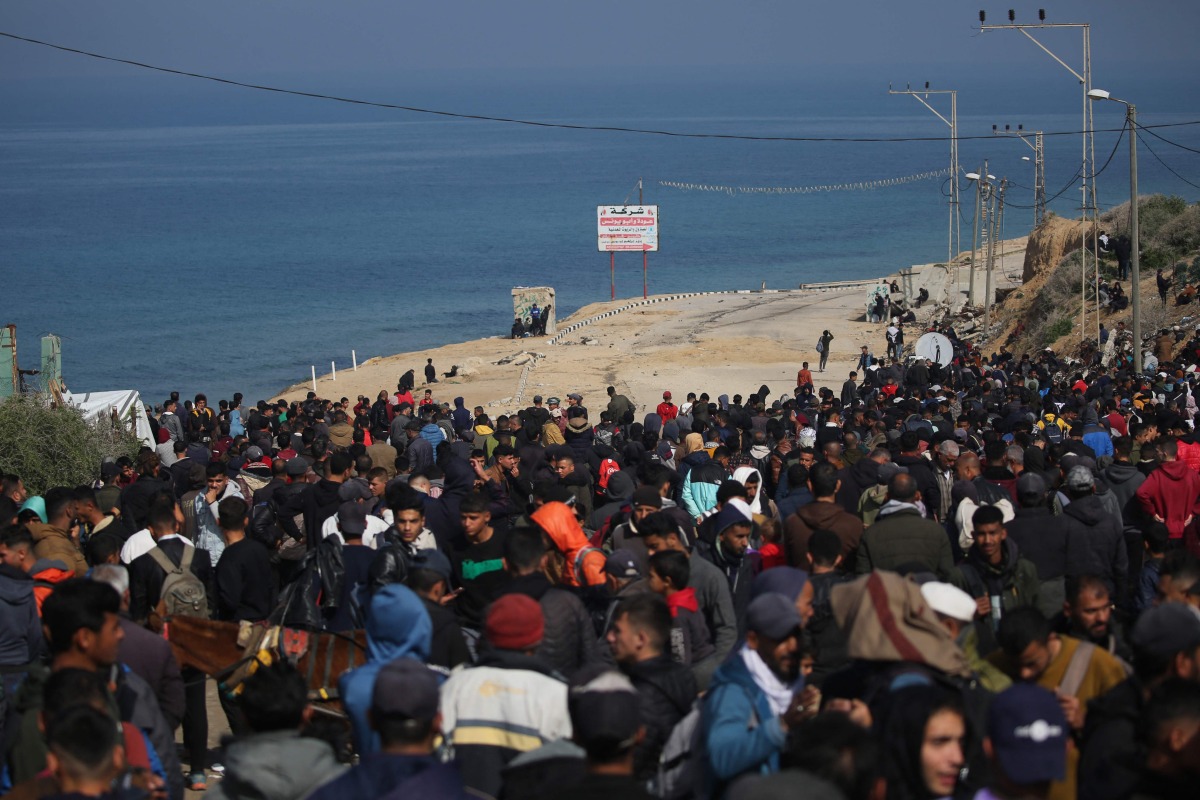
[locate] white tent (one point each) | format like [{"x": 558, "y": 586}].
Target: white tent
[{"x": 97, "y": 404}]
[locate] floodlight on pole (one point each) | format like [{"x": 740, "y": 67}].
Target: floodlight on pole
[
  {"x": 1039, "y": 166},
  {"x": 954, "y": 235},
  {"x": 1135, "y": 261},
  {"x": 1088, "y": 170}
]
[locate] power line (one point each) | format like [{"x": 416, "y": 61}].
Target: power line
[
  {"x": 1165, "y": 166},
  {"x": 1168, "y": 141},
  {"x": 527, "y": 122}
]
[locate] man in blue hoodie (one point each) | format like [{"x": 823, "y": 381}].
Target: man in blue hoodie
[
  {"x": 755, "y": 697},
  {"x": 397, "y": 627}
]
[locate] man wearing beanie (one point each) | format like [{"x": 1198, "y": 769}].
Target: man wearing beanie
[
  {"x": 727, "y": 550},
  {"x": 510, "y": 703}
]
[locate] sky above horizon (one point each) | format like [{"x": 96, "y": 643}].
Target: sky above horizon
[{"x": 374, "y": 37}]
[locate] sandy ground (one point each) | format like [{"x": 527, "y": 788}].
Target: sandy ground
[{"x": 721, "y": 344}]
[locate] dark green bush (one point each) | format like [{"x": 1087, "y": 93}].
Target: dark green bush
[{"x": 56, "y": 446}]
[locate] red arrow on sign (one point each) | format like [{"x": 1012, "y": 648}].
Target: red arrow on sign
[{"x": 647, "y": 247}]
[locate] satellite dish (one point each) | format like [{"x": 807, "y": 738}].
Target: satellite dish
[{"x": 935, "y": 347}]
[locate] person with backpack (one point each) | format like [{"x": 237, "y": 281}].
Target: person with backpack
[
  {"x": 755, "y": 697},
  {"x": 1077, "y": 672},
  {"x": 1054, "y": 429},
  {"x": 823, "y": 348},
  {"x": 176, "y": 578}
]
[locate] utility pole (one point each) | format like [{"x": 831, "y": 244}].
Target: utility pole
[
  {"x": 1039, "y": 166},
  {"x": 1135, "y": 260},
  {"x": 954, "y": 235},
  {"x": 994, "y": 218},
  {"x": 1088, "y": 168},
  {"x": 971, "y": 299}
]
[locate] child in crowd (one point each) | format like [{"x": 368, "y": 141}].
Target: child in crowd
[
  {"x": 690, "y": 639},
  {"x": 1154, "y": 539}
]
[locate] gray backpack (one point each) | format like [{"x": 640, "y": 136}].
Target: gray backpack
[{"x": 182, "y": 594}]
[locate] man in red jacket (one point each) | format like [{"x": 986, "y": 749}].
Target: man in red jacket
[
  {"x": 666, "y": 409},
  {"x": 1169, "y": 494}
]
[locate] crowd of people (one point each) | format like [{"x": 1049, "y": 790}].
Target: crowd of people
[{"x": 975, "y": 580}]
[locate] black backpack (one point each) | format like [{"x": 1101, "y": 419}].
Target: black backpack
[{"x": 1051, "y": 430}]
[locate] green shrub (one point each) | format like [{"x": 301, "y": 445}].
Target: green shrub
[
  {"x": 56, "y": 446},
  {"x": 1156, "y": 211},
  {"x": 1056, "y": 330}
]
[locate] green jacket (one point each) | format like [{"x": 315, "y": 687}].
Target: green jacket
[
  {"x": 902, "y": 536},
  {"x": 1014, "y": 578}
]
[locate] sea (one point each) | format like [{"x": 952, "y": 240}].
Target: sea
[{"x": 185, "y": 236}]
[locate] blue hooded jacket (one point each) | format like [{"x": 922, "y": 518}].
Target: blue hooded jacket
[
  {"x": 398, "y": 626},
  {"x": 741, "y": 733},
  {"x": 433, "y": 434}
]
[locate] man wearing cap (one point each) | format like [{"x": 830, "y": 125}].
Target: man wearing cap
[
  {"x": 509, "y": 703},
  {"x": 575, "y": 400},
  {"x": 1026, "y": 744},
  {"x": 623, "y": 578},
  {"x": 606, "y": 721},
  {"x": 619, "y": 493},
  {"x": 666, "y": 409},
  {"x": 1166, "y": 645},
  {"x": 1077, "y": 672},
  {"x": 755, "y": 696},
  {"x": 358, "y": 492},
  {"x": 1095, "y": 536},
  {"x": 956, "y": 610},
  {"x": 404, "y": 713}
]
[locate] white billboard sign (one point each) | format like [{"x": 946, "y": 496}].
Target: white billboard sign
[{"x": 622, "y": 228}]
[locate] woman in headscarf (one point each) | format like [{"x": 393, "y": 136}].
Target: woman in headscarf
[
  {"x": 691, "y": 443},
  {"x": 924, "y": 733}
]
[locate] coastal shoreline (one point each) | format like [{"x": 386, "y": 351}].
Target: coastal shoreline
[{"x": 720, "y": 342}]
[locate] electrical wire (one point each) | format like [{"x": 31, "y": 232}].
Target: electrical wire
[
  {"x": 527, "y": 122},
  {"x": 1165, "y": 166},
  {"x": 1168, "y": 141}
]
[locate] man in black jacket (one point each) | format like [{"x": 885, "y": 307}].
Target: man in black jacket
[
  {"x": 1095, "y": 538},
  {"x": 727, "y": 550},
  {"x": 638, "y": 639},
  {"x": 1042, "y": 538},
  {"x": 569, "y": 642}
]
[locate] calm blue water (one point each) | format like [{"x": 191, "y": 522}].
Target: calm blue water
[{"x": 203, "y": 240}]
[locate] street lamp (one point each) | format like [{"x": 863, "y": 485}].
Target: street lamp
[{"x": 1135, "y": 259}]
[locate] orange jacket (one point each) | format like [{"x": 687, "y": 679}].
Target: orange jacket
[{"x": 585, "y": 564}]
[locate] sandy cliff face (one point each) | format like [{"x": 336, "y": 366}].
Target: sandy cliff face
[{"x": 1049, "y": 242}]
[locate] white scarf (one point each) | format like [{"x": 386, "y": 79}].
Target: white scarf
[{"x": 778, "y": 693}]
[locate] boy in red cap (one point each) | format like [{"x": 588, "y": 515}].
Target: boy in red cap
[{"x": 666, "y": 409}]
